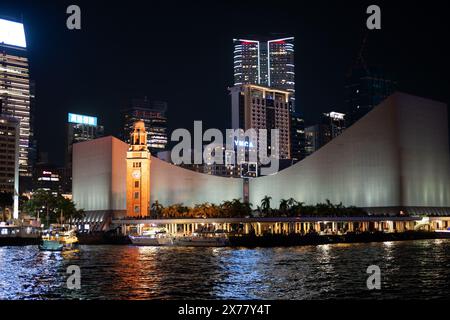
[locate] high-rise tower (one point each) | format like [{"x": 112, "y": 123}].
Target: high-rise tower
[
  {"x": 15, "y": 94},
  {"x": 138, "y": 172},
  {"x": 153, "y": 113},
  {"x": 267, "y": 63}
]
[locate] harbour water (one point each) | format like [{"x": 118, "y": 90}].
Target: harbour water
[{"x": 409, "y": 269}]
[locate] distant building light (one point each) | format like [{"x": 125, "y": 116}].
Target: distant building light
[{"x": 336, "y": 115}]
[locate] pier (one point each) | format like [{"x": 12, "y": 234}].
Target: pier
[{"x": 286, "y": 225}]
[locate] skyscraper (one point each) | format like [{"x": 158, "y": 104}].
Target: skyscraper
[
  {"x": 297, "y": 127},
  {"x": 80, "y": 128},
  {"x": 259, "y": 107},
  {"x": 9, "y": 159},
  {"x": 15, "y": 94},
  {"x": 365, "y": 88},
  {"x": 269, "y": 62},
  {"x": 153, "y": 114},
  {"x": 265, "y": 62},
  {"x": 331, "y": 125}
]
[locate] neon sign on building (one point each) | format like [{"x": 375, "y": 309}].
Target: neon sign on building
[{"x": 82, "y": 119}]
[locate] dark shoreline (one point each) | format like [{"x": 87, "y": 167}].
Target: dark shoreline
[
  {"x": 17, "y": 241},
  {"x": 252, "y": 241},
  {"x": 277, "y": 240},
  {"x": 315, "y": 239}
]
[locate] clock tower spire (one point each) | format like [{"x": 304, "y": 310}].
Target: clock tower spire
[{"x": 138, "y": 172}]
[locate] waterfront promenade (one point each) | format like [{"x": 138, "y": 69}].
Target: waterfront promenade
[{"x": 286, "y": 225}]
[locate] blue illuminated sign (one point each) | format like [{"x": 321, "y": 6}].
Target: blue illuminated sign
[{"x": 81, "y": 119}]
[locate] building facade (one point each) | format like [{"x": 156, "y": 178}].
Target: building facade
[
  {"x": 298, "y": 142},
  {"x": 394, "y": 159},
  {"x": 15, "y": 88},
  {"x": 365, "y": 88},
  {"x": 9, "y": 159},
  {"x": 258, "y": 107},
  {"x": 51, "y": 178},
  {"x": 331, "y": 125},
  {"x": 265, "y": 62},
  {"x": 153, "y": 114},
  {"x": 269, "y": 62},
  {"x": 138, "y": 173},
  {"x": 80, "y": 128}
]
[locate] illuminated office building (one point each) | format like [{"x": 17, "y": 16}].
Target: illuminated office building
[
  {"x": 9, "y": 159},
  {"x": 297, "y": 127},
  {"x": 49, "y": 177},
  {"x": 331, "y": 125},
  {"x": 153, "y": 114},
  {"x": 257, "y": 107},
  {"x": 267, "y": 63},
  {"x": 270, "y": 63},
  {"x": 80, "y": 128},
  {"x": 15, "y": 93}
]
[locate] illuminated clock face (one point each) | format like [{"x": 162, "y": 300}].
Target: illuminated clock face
[{"x": 136, "y": 174}]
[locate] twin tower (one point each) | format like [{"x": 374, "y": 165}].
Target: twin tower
[{"x": 138, "y": 173}]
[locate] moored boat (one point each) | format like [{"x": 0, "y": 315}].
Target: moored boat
[
  {"x": 59, "y": 238},
  {"x": 203, "y": 239},
  {"x": 443, "y": 233},
  {"x": 152, "y": 237}
]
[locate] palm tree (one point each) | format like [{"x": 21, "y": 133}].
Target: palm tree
[
  {"x": 265, "y": 204},
  {"x": 157, "y": 208},
  {"x": 236, "y": 208},
  {"x": 296, "y": 208},
  {"x": 284, "y": 206},
  {"x": 292, "y": 202},
  {"x": 226, "y": 208}
]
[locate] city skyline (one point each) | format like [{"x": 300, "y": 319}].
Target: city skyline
[
  {"x": 222, "y": 152},
  {"x": 324, "y": 54}
]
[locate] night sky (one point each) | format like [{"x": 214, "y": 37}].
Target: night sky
[{"x": 181, "y": 52}]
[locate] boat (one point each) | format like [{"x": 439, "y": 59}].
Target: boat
[
  {"x": 59, "y": 238},
  {"x": 152, "y": 237},
  {"x": 444, "y": 233},
  {"x": 203, "y": 239},
  {"x": 19, "y": 234}
]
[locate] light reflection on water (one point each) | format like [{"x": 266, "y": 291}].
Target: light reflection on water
[{"x": 411, "y": 269}]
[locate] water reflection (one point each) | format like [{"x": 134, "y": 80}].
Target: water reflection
[{"x": 412, "y": 269}]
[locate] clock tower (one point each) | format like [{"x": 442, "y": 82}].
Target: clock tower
[{"x": 138, "y": 173}]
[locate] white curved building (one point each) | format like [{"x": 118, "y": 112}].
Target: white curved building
[{"x": 395, "y": 158}]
